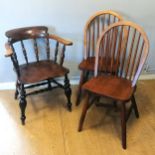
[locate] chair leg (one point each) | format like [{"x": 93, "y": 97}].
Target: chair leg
[
  {"x": 49, "y": 84},
  {"x": 16, "y": 91},
  {"x": 135, "y": 106},
  {"x": 79, "y": 88},
  {"x": 83, "y": 78},
  {"x": 123, "y": 125},
  {"x": 68, "y": 92},
  {"x": 115, "y": 105},
  {"x": 22, "y": 103},
  {"x": 84, "y": 111}
]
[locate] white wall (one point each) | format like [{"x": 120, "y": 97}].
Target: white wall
[{"x": 67, "y": 18}]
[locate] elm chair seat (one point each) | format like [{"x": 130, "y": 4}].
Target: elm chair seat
[
  {"x": 110, "y": 86},
  {"x": 42, "y": 70}
]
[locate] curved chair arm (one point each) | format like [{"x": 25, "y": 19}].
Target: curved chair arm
[
  {"x": 9, "y": 51},
  {"x": 61, "y": 40}
]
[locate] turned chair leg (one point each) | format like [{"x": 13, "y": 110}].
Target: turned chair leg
[
  {"x": 68, "y": 92},
  {"x": 83, "y": 78},
  {"x": 123, "y": 125},
  {"x": 49, "y": 84},
  {"x": 22, "y": 103},
  {"x": 135, "y": 106},
  {"x": 16, "y": 91},
  {"x": 84, "y": 111}
]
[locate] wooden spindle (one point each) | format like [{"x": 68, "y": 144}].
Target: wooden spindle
[
  {"x": 107, "y": 50},
  {"x": 118, "y": 53},
  {"x": 109, "y": 19},
  {"x": 14, "y": 60},
  {"x": 93, "y": 38},
  {"x": 108, "y": 41},
  {"x": 86, "y": 44},
  {"x": 98, "y": 27},
  {"x": 14, "y": 54},
  {"x": 114, "y": 20},
  {"x": 130, "y": 54},
  {"x": 56, "y": 51},
  {"x": 24, "y": 52},
  {"x": 113, "y": 45},
  {"x": 48, "y": 49},
  {"x": 89, "y": 41},
  {"x": 101, "y": 54},
  {"x": 134, "y": 57},
  {"x": 103, "y": 22},
  {"x": 139, "y": 57},
  {"x": 114, "y": 50},
  {"x": 124, "y": 52},
  {"x": 36, "y": 50},
  {"x": 62, "y": 55}
]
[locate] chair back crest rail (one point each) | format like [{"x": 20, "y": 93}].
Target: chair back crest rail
[
  {"x": 126, "y": 50},
  {"x": 95, "y": 25}
]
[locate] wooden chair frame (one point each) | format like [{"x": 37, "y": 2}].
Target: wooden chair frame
[
  {"x": 125, "y": 78},
  {"x": 46, "y": 71},
  {"x": 102, "y": 19}
]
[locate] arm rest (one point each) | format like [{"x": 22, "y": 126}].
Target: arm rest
[
  {"x": 9, "y": 51},
  {"x": 61, "y": 40}
]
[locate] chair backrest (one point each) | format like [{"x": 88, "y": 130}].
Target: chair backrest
[
  {"x": 94, "y": 27},
  {"x": 126, "y": 54},
  {"x": 35, "y": 44}
]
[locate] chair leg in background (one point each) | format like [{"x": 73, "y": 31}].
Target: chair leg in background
[
  {"x": 83, "y": 78},
  {"x": 68, "y": 92},
  {"x": 115, "y": 105},
  {"x": 84, "y": 111},
  {"x": 79, "y": 88},
  {"x": 22, "y": 103},
  {"x": 49, "y": 84},
  {"x": 135, "y": 106},
  {"x": 123, "y": 125}
]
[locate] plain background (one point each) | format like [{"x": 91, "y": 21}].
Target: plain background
[{"x": 67, "y": 19}]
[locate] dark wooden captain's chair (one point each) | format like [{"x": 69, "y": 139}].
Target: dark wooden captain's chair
[
  {"x": 129, "y": 54},
  {"x": 43, "y": 56}
]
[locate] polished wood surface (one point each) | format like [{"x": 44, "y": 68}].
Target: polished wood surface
[
  {"x": 129, "y": 54},
  {"x": 110, "y": 86},
  {"x": 51, "y": 130},
  {"x": 20, "y": 33},
  {"x": 47, "y": 69},
  {"x": 42, "y": 62},
  {"x": 92, "y": 31}
]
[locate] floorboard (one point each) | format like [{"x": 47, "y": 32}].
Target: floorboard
[{"x": 51, "y": 130}]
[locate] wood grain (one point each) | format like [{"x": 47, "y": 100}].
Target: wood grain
[{"x": 51, "y": 130}]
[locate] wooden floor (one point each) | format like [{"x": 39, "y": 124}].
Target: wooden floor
[{"x": 51, "y": 130}]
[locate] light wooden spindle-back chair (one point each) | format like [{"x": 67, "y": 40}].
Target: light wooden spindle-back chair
[
  {"x": 129, "y": 55},
  {"x": 92, "y": 31},
  {"x": 38, "y": 60}
]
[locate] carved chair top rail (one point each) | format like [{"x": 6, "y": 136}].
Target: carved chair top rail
[{"x": 21, "y": 32}]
